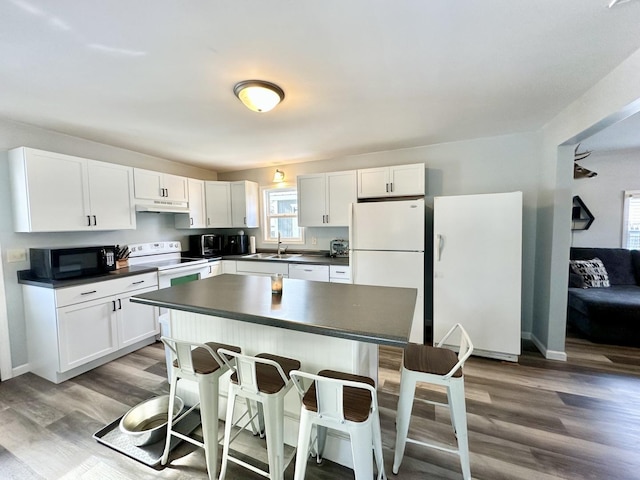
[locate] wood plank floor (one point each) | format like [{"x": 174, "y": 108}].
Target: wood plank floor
[{"x": 537, "y": 419}]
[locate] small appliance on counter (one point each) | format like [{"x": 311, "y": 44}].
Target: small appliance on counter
[
  {"x": 339, "y": 248},
  {"x": 72, "y": 262},
  {"x": 207, "y": 245},
  {"x": 236, "y": 245}
]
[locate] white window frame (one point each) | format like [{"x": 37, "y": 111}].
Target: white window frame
[
  {"x": 631, "y": 201},
  {"x": 264, "y": 191}
]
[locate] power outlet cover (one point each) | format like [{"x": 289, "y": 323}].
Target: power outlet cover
[{"x": 16, "y": 255}]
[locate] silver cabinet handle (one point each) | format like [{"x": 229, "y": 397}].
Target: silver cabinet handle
[
  {"x": 88, "y": 293},
  {"x": 191, "y": 221},
  {"x": 387, "y": 187},
  {"x": 138, "y": 282},
  {"x": 119, "y": 304},
  {"x": 114, "y": 305},
  {"x": 95, "y": 222},
  {"x": 340, "y": 271},
  {"x": 88, "y": 220},
  {"x": 391, "y": 186}
]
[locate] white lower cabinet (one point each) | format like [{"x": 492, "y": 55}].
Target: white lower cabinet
[
  {"x": 340, "y": 274},
  {"x": 317, "y": 273},
  {"x": 261, "y": 268},
  {"x": 72, "y": 330},
  {"x": 215, "y": 268}
]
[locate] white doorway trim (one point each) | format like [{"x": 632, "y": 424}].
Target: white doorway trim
[{"x": 5, "y": 346}]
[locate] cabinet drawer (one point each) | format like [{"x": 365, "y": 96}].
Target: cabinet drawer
[
  {"x": 91, "y": 291},
  {"x": 262, "y": 267},
  {"x": 318, "y": 273},
  {"x": 340, "y": 272}
]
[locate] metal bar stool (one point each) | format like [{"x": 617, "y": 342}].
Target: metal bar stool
[
  {"x": 438, "y": 366},
  {"x": 344, "y": 402},
  {"x": 200, "y": 363},
  {"x": 265, "y": 380}
]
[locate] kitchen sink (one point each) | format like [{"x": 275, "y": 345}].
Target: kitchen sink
[
  {"x": 273, "y": 256},
  {"x": 259, "y": 255},
  {"x": 285, "y": 256}
]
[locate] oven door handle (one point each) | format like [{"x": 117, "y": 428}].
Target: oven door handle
[{"x": 182, "y": 270}]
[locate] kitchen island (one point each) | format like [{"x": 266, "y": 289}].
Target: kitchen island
[{"x": 324, "y": 325}]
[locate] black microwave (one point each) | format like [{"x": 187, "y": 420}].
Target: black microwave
[
  {"x": 72, "y": 262},
  {"x": 207, "y": 245}
]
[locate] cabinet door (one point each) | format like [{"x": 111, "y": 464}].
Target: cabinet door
[
  {"x": 244, "y": 204},
  {"x": 86, "y": 331},
  {"x": 341, "y": 193},
  {"x": 312, "y": 200},
  {"x": 111, "y": 196},
  {"x": 175, "y": 188},
  {"x": 147, "y": 184},
  {"x": 215, "y": 269},
  {"x": 406, "y": 180},
  {"x": 373, "y": 182},
  {"x": 57, "y": 195},
  {"x": 135, "y": 321},
  {"x": 197, "y": 217},
  {"x": 218, "y": 203}
]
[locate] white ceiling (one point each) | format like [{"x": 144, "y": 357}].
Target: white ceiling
[{"x": 359, "y": 75}]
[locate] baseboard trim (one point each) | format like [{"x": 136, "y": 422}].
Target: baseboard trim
[
  {"x": 21, "y": 370},
  {"x": 548, "y": 354}
]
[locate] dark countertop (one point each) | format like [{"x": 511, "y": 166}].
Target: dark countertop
[
  {"x": 26, "y": 278},
  {"x": 381, "y": 315}
]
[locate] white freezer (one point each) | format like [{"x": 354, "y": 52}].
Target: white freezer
[
  {"x": 393, "y": 269},
  {"x": 477, "y": 270},
  {"x": 392, "y": 226}
]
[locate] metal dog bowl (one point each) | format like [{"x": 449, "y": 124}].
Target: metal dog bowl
[{"x": 146, "y": 423}]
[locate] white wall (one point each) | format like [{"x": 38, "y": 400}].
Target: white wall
[
  {"x": 489, "y": 165},
  {"x": 615, "y": 97},
  {"x": 603, "y": 195},
  {"x": 150, "y": 227}
]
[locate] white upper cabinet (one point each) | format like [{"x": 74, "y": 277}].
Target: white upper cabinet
[
  {"x": 324, "y": 198},
  {"x": 111, "y": 196},
  {"x": 218, "y": 204},
  {"x": 52, "y": 192},
  {"x": 244, "y": 204},
  {"x": 150, "y": 185},
  {"x": 197, "y": 217},
  {"x": 394, "y": 181}
]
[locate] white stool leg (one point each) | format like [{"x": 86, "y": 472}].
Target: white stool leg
[
  {"x": 403, "y": 416},
  {"x": 455, "y": 392},
  {"x": 321, "y": 440},
  {"x": 231, "y": 401},
  {"x": 172, "y": 396},
  {"x": 361, "y": 443},
  {"x": 377, "y": 445},
  {"x": 304, "y": 439},
  {"x": 208, "y": 388},
  {"x": 274, "y": 425}
]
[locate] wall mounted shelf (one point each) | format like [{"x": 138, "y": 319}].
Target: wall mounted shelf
[{"x": 581, "y": 217}]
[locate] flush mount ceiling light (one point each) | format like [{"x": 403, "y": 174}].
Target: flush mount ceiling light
[
  {"x": 258, "y": 95},
  {"x": 278, "y": 177}
]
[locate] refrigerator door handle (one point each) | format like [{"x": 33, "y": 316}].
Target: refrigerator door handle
[{"x": 440, "y": 243}]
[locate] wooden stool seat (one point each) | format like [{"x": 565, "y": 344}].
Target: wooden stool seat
[
  {"x": 428, "y": 359},
  {"x": 269, "y": 379},
  {"x": 203, "y": 362},
  {"x": 355, "y": 401}
]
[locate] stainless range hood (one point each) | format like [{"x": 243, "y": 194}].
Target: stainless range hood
[{"x": 155, "y": 206}]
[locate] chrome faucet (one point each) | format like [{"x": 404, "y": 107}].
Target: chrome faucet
[{"x": 281, "y": 250}]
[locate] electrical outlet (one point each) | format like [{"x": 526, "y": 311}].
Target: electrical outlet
[
  {"x": 314, "y": 241},
  {"x": 16, "y": 255}
]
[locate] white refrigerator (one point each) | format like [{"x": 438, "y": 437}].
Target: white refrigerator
[
  {"x": 387, "y": 249},
  {"x": 477, "y": 270}
]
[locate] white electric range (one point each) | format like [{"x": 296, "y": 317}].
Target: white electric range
[{"x": 173, "y": 269}]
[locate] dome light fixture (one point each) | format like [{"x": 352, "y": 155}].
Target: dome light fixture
[{"x": 258, "y": 95}]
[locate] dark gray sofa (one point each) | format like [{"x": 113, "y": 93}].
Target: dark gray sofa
[{"x": 607, "y": 314}]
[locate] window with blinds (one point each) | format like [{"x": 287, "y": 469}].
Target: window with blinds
[{"x": 631, "y": 220}]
